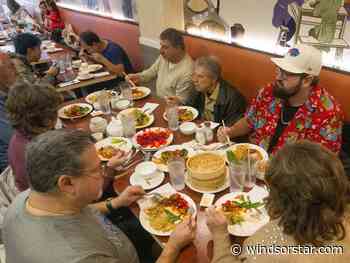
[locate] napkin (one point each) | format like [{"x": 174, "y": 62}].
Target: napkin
[
  {"x": 150, "y": 107},
  {"x": 258, "y": 193},
  {"x": 65, "y": 84},
  {"x": 102, "y": 74}
]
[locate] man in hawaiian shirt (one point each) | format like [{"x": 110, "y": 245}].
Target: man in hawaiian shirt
[{"x": 292, "y": 108}]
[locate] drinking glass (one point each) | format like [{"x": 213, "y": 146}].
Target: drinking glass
[
  {"x": 176, "y": 167},
  {"x": 126, "y": 92},
  {"x": 238, "y": 173},
  {"x": 173, "y": 118},
  {"x": 128, "y": 123},
  {"x": 104, "y": 101},
  {"x": 251, "y": 174}
]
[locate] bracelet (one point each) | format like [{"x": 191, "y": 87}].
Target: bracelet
[{"x": 109, "y": 204}]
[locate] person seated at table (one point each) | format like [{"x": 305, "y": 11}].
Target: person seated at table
[
  {"x": 294, "y": 107},
  {"x": 28, "y": 51},
  {"x": 308, "y": 205},
  {"x": 105, "y": 52},
  {"x": 54, "y": 221},
  {"x": 7, "y": 79},
  {"x": 214, "y": 98},
  {"x": 32, "y": 110},
  {"x": 172, "y": 69}
]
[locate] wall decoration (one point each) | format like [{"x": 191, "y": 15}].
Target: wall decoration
[{"x": 275, "y": 25}]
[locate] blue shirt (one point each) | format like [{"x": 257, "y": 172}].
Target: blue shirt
[
  {"x": 116, "y": 55},
  {"x": 5, "y": 134}
]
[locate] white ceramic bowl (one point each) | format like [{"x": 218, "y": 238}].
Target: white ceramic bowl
[
  {"x": 188, "y": 128},
  {"x": 121, "y": 104},
  {"x": 146, "y": 169}
]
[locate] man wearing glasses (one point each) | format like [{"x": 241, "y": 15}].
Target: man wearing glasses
[{"x": 294, "y": 107}]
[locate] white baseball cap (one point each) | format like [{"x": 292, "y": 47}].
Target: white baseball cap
[{"x": 301, "y": 59}]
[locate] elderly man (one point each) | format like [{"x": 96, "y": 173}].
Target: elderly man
[
  {"x": 7, "y": 79},
  {"x": 173, "y": 68},
  {"x": 293, "y": 108},
  {"x": 214, "y": 98},
  {"x": 54, "y": 221},
  {"x": 28, "y": 51},
  {"x": 110, "y": 54}
]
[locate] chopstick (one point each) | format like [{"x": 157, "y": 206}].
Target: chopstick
[
  {"x": 129, "y": 80},
  {"x": 227, "y": 137}
]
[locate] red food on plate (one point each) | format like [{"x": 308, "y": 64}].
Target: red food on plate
[{"x": 153, "y": 138}]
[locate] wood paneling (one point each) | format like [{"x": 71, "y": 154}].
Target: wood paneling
[{"x": 123, "y": 33}]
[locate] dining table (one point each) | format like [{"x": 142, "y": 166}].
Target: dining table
[{"x": 201, "y": 249}]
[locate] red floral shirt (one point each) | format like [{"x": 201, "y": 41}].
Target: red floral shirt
[{"x": 319, "y": 119}]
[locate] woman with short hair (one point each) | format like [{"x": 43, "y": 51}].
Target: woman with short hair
[{"x": 32, "y": 110}]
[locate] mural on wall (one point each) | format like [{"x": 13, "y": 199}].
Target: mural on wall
[{"x": 275, "y": 25}]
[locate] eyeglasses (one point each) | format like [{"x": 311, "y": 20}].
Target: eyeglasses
[
  {"x": 284, "y": 75},
  {"x": 102, "y": 172}
]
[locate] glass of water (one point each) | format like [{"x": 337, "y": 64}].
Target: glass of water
[
  {"x": 104, "y": 101},
  {"x": 173, "y": 117},
  {"x": 128, "y": 123},
  {"x": 176, "y": 167},
  {"x": 126, "y": 92},
  {"x": 238, "y": 173}
]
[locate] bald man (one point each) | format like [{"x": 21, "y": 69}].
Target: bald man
[{"x": 7, "y": 79}]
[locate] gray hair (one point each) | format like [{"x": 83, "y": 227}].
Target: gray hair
[
  {"x": 53, "y": 154},
  {"x": 211, "y": 64}
]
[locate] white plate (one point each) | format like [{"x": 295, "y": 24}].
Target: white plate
[
  {"x": 94, "y": 67},
  {"x": 152, "y": 181},
  {"x": 168, "y": 142},
  {"x": 146, "y": 225},
  {"x": 126, "y": 147},
  {"x": 62, "y": 115},
  {"x": 252, "y": 146},
  {"x": 86, "y": 77},
  {"x": 92, "y": 97},
  {"x": 145, "y": 90},
  {"x": 222, "y": 188},
  {"x": 247, "y": 228},
  {"x": 194, "y": 111},
  {"x": 164, "y": 167},
  {"x": 149, "y": 123}
]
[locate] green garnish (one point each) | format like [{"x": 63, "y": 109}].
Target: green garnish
[
  {"x": 231, "y": 157},
  {"x": 117, "y": 141},
  {"x": 247, "y": 203},
  {"x": 172, "y": 218}
]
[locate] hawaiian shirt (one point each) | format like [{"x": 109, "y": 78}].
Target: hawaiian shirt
[{"x": 319, "y": 119}]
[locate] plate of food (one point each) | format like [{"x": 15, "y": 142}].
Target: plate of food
[
  {"x": 110, "y": 146},
  {"x": 75, "y": 111},
  {"x": 185, "y": 113},
  {"x": 161, "y": 214},
  {"x": 239, "y": 152},
  {"x": 244, "y": 215},
  {"x": 143, "y": 119},
  {"x": 140, "y": 92},
  {"x": 153, "y": 139},
  {"x": 93, "y": 97},
  {"x": 94, "y": 67},
  {"x": 161, "y": 157}
]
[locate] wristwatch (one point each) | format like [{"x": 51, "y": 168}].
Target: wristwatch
[{"x": 109, "y": 204}]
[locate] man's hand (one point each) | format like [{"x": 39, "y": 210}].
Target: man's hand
[
  {"x": 173, "y": 100},
  {"x": 128, "y": 196},
  {"x": 216, "y": 220},
  {"x": 222, "y": 134},
  {"x": 98, "y": 58},
  {"x": 183, "y": 235},
  {"x": 133, "y": 77},
  {"x": 53, "y": 71},
  {"x": 119, "y": 158}
]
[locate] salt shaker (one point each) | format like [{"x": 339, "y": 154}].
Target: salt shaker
[
  {"x": 201, "y": 135},
  {"x": 208, "y": 132}
]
